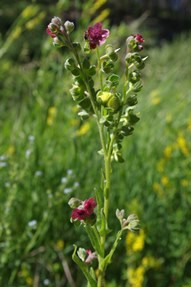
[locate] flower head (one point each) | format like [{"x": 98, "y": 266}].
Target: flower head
[
  {"x": 84, "y": 210},
  {"x": 134, "y": 42},
  {"x": 139, "y": 38},
  {"x": 96, "y": 36}
]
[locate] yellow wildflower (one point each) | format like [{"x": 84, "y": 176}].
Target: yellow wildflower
[
  {"x": 157, "y": 188},
  {"x": 155, "y": 99},
  {"x": 83, "y": 129},
  {"x": 160, "y": 165},
  {"x": 136, "y": 276},
  {"x": 51, "y": 115},
  {"x": 165, "y": 180},
  {"x": 168, "y": 152},
  {"x": 29, "y": 281},
  {"x": 184, "y": 182},
  {"x": 168, "y": 118},
  {"x": 182, "y": 144},
  {"x": 10, "y": 150},
  {"x": 151, "y": 262},
  {"x": 135, "y": 242},
  {"x": 59, "y": 244}
]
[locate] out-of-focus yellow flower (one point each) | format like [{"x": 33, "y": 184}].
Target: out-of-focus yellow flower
[
  {"x": 59, "y": 244},
  {"x": 10, "y": 150},
  {"x": 168, "y": 151},
  {"x": 161, "y": 165},
  {"x": 168, "y": 118},
  {"x": 155, "y": 97},
  {"x": 151, "y": 262},
  {"x": 135, "y": 242},
  {"x": 165, "y": 180},
  {"x": 29, "y": 281},
  {"x": 184, "y": 182},
  {"x": 52, "y": 111},
  {"x": 182, "y": 144},
  {"x": 83, "y": 129},
  {"x": 157, "y": 188},
  {"x": 136, "y": 276}
]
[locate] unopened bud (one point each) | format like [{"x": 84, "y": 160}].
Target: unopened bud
[
  {"x": 131, "y": 223},
  {"x": 56, "y": 21},
  {"x": 114, "y": 103},
  {"x": 120, "y": 215},
  {"x": 74, "y": 202},
  {"x": 69, "y": 26},
  {"x": 103, "y": 97}
]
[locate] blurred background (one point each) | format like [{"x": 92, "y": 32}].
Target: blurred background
[{"x": 45, "y": 149}]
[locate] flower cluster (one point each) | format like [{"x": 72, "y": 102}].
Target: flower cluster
[
  {"x": 82, "y": 210},
  {"x": 96, "y": 36},
  {"x": 58, "y": 30},
  {"x": 134, "y": 42}
]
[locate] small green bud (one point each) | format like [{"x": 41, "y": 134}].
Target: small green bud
[
  {"x": 134, "y": 76},
  {"x": 103, "y": 97},
  {"x": 114, "y": 103},
  {"x": 120, "y": 214},
  {"x": 74, "y": 202},
  {"x": 92, "y": 70},
  {"x": 132, "y": 100},
  {"x": 108, "y": 66},
  {"x": 69, "y": 26},
  {"x": 86, "y": 64},
  {"x": 70, "y": 64}
]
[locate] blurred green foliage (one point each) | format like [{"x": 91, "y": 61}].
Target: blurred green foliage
[{"x": 47, "y": 155}]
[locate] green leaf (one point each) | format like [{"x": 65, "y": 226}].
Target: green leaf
[{"x": 94, "y": 238}]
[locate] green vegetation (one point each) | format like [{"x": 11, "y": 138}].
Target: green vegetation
[{"x": 41, "y": 167}]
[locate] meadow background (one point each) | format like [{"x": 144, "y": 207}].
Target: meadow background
[{"x": 47, "y": 155}]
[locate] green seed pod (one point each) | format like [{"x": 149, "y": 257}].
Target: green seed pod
[
  {"x": 114, "y": 103},
  {"x": 134, "y": 76},
  {"x": 103, "y": 97},
  {"x": 70, "y": 64},
  {"x": 132, "y": 100}
]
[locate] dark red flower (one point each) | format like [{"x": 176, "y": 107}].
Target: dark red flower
[
  {"x": 96, "y": 36},
  {"x": 139, "y": 38},
  {"x": 89, "y": 205},
  {"x": 84, "y": 210},
  {"x": 79, "y": 214}
]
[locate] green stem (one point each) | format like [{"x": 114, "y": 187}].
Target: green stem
[{"x": 99, "y": 68}]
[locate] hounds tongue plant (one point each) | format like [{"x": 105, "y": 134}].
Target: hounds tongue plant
[{"x": 113, "y": 111}]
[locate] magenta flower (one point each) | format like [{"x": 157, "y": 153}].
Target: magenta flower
[
  {"x": 84, "y": 210},
  {"x": 96, "y": 36},
  {"x": 139, "y": 38}
]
